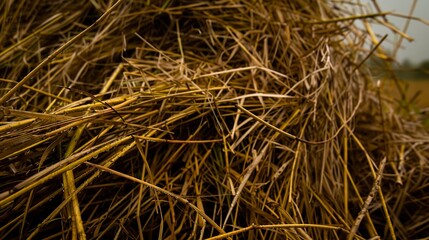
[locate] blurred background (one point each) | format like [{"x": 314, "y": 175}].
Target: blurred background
[{"x": 412, "y": 58}]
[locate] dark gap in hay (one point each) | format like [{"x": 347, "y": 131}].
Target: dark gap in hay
[{"x": 37, "y": 215}]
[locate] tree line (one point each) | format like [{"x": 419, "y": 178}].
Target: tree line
[
  {"x": 404, "y": 70},
  {"x": 408, "y": 70}
]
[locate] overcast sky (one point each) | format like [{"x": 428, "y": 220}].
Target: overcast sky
[{"x": 417, "y": 50}]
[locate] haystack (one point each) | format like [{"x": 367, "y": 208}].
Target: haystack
[{"x": 203, "y": 119}]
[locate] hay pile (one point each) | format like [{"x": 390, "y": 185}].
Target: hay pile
[{"x": 196, "y": 119}]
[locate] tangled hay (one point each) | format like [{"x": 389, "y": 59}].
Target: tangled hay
[{"x": 212, "y": 119}]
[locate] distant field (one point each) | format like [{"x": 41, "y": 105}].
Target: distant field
[{"x": 413, "y": 87}]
